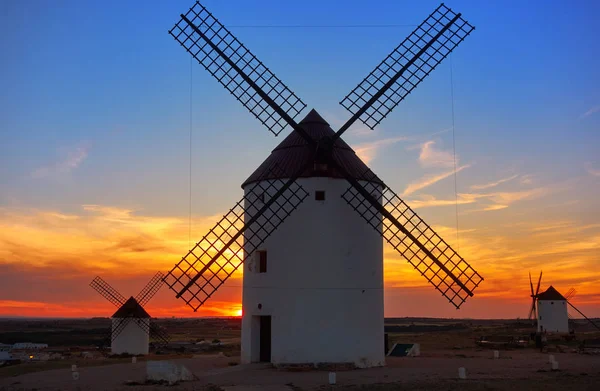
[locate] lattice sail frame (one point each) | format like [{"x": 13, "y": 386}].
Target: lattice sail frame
[
  {"x": 220, "y": 53},
  {"x": 107, "y": 291},
  {"x": 151, "y": 288},
  {"x": 446, "y": 28},
  {"x": 406, "y": 247},
  {"x": 197, "y": 262}
]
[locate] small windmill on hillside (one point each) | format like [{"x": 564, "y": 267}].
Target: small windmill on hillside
[
  {"x": 550, "y": 308},
  {"x": 313, "y": 287},
  {"x": 131, "y": 327}
]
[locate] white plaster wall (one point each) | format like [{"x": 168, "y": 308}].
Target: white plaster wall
[
  {"x": 323, "y": 287},
  {"x": 132, "y": 339},
  {"x": 552, "y": 315}
]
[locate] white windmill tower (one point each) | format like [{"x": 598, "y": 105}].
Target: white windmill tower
[
  {"x": 550, "y": 308},
  {"x": 552, "y": 312},
  {"x": 313, "y": 287},
  {"x": 130, "y": 324}
]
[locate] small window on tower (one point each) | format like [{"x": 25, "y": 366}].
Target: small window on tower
[
  {"x": 261, "y": 197},
  {"x": 320, "y": 195},
  {"x": 262, "y": 261},
  {"x": 551, "y": 302}
]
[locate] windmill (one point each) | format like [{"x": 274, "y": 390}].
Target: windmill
[
  {"x": 533, "y": 310},
  {"x": 550, "y": 308},
  {"x": 313, "y": 287},
  {"x": 131, "y": 328}
]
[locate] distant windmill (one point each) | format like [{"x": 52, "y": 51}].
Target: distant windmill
[
  {"x": 550, "y": 308},
  {"x": 313, "y": 287},
  {"x": 131, "y": 327}
]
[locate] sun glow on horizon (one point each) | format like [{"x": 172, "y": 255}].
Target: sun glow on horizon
[{"x": 112, "y": 241}]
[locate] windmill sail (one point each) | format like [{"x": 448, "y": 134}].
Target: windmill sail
[
  {"x": 371, "y": 101},
  {"x": 200, "y": 273},
  {"x": 107, "y": 291},
  {"x": 119, "y": 327},
  {"x": 151, "y": 288},
  {"x": 237, "y": 69},
  {"x": 415, "y": 240},
  {"x": 406, "y": 66},
  {"x": 221, "y": 252}
]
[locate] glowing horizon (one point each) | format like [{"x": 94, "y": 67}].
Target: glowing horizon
[{"x": 128, "y": 248}]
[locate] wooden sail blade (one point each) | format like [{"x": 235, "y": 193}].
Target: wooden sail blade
[
  {"x": 413, "y": 238},
  {"x": 237, "y": 69},
  {"x": 107, "y": 291},
  {"x": 221, "y": 252},
  {"x": 119, "y": 327},
  {"x": 406, "y": 66},
  {"x": 151, "y": 288}
]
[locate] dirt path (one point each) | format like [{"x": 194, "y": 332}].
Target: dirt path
[{"x": 514, "y": 371}]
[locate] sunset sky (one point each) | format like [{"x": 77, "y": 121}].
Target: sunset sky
[{"x": 94, "y": 148}]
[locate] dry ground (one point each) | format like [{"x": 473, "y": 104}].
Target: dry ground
[
  {"x": 443, "y": 352},
  {"x": 515, "y": 370}
]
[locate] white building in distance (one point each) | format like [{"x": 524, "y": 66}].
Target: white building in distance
[
  {"x": 313, "y": 292},
  {"x": 29, "y": 346},
  {"x": 131, "y": 324},
  {"x": 552, "y": 312}
]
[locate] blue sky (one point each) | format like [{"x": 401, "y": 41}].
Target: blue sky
[
  {"x": 95, "y": 106},
  {"x": 107, "y": 75}
]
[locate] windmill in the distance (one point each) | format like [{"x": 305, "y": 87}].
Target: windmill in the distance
[
  {"x": 313, "y": 287},
  {"x": 131, "y": 328},
  {"x": 550, "y": 308}
]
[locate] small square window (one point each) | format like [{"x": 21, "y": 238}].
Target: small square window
[
  {"x": 262, "y": 261},
  {"x": 261, "y": 197},
  {"x": 320, "y": 195}
]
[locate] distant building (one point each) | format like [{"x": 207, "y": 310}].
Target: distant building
[
  {"x": 5, "y": 347},
  {"x": 29, "y": 346},
  {"x": 5, "y": 356},
  {"x": 552, "y": 312},
  {"x": 130, "y": 329}
]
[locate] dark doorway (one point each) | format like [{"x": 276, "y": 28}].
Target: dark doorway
[{"x": 265, "y": 339}]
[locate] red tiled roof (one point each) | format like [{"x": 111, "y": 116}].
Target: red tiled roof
[
  {"x": 550, "y": 294},
  {"x": 131, "y": 308},
  {"x": 294, "y": 152}
]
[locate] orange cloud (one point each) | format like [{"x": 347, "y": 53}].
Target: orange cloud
[{"x": 55, "y": 255}]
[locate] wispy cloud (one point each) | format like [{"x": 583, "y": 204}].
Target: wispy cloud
[
  {"x": 429, "y": 180},
  {"x": 491, "y": 201},
  {"x": 430, "y": 156},
  {"x": 69, "y": 160},
  {"x": 494, "y": 207},
  {"x": 426, "y": 201},
  {"x": 526, "y": 179},
  {"x": 508, "y": 197},
  {"x": 493, "y": 184},
  {"x": 502, "y": 200},
  {"x": 591, "y": 111},
  {"x": 591, "y": 170},
  {"x": 369, "y": 150}
]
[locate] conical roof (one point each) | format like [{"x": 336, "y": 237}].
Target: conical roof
[
  {"x": 294, "y": 152},
  {"x": 131, "y": 309},
  {"x": 550, "y": 294}
]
